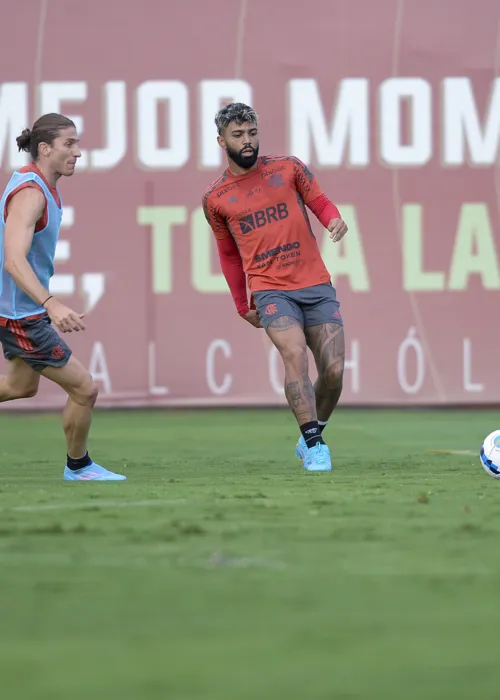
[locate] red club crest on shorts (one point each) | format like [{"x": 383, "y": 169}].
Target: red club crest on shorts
[
  {"x": 271, "y": 309},
  {"x": 57, "y": 352}
]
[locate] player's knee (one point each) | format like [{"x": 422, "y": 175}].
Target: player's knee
[
  {"x": 30, "y": 392},
  {"x": 91, "y": 392},
  {"x": 86, "y": 394},
  {"x": 333, "y": 375},
  {"x": 294, "y": 354},
  {"x": 23, "y": 391}
]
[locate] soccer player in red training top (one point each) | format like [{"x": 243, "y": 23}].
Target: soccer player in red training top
[
  {"x": 257, "y": 212},
  {"x": 30, "y": 219}
]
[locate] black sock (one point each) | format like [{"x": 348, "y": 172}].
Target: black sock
[
  {"x": 311, "y": 433},
  {"x": 75, "y": 464},
  {"x": 322, "y": 425}
]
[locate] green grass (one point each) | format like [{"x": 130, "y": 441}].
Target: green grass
[{"x": 222, "y": 571}]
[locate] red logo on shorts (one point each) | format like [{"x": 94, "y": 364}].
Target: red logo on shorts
[
  {"x": 336, "y": 314},
  {"x": 57, "y": 352},
  {"x": 271, "y": 309}
]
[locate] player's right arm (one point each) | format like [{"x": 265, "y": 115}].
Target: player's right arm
[
  {"x": 314, "y": 198},
  {"x": 231, "y": 263},
  {"x": 24, "y": 210}
]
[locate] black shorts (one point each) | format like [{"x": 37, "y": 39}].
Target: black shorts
[
  {"x": 311, "y": 306},
  {"x": 34, "y": 340}
]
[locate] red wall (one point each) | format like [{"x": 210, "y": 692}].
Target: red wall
[{"x": 414, "y": 83}]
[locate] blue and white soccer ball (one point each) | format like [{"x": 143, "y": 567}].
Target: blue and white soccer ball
[{"x": 490, "y": 454}]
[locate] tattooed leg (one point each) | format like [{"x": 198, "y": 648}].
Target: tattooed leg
[
  {"x": 328, "y": 348},
  {"x": 287, "y": 335}
]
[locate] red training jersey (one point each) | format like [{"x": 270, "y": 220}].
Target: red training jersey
[{"x": 264, "y": 210}]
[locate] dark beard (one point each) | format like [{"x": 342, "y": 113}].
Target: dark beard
[{"x": 243, "y": 161}]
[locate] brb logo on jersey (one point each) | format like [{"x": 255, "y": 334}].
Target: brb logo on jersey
[{"x": 263, "y": 217}]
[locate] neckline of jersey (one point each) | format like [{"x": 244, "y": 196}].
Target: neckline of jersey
[{"x": 243, "y": 176}]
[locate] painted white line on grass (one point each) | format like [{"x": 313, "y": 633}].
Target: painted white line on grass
[
  {"x": 162, "y": 560},
  {"x": 166, "y": 560},
  {"x": 93, "y": 505},
  {"x": 452, "y": 452}
]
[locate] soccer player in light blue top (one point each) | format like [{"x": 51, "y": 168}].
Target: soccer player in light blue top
[{"x": 30, "y": 218}]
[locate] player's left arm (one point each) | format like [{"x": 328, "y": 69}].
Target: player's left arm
[{"x": 314, "y": 198}]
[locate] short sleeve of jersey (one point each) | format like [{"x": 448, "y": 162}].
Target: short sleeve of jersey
[
  {"x": 305, "y": 182},
  {"x": 215, "y": 220}
]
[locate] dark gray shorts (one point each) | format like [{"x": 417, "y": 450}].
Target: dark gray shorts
[
  {"x": 34, "y": 340},
  {"x": 311, "y": 306}
]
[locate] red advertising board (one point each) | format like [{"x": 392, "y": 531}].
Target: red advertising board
[{"x": 394, "y": 105}]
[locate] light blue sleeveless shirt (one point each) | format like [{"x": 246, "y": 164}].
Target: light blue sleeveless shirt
[{"x": 14, "y": 303}]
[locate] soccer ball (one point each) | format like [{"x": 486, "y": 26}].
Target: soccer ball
[{"x": 490, "y": 454}]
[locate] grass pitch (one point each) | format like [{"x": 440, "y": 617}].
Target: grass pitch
[{"x": 220, "y": 570}]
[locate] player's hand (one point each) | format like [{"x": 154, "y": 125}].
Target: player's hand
[
  {"x": 338, "y": 229},
  {"x": 252, "y": 317},
  {"x": 65, "y": 319}
]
